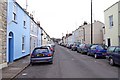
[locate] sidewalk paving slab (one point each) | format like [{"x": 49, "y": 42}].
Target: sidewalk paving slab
[{"x": 15, "y": 68}]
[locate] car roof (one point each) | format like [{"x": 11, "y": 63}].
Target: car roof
[
  {"x": 41, "y": 47},
  {"x": 114, "y": 46}
]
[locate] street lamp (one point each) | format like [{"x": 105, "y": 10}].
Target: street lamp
[{"x": 84, "y": 33}]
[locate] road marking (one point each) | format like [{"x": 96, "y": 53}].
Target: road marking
[{"x": 24, "y": 74}]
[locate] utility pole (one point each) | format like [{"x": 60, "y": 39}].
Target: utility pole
[{"x": 91, "y": 25}]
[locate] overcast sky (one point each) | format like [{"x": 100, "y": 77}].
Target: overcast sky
[{"x": 62, "y": 16}]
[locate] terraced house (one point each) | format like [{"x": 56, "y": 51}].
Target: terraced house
[
  {"x": 112, "y": 25},
  {"x": 83, "y": 33},
  {"x": 18, "y": 31},
  {"x": 3, "y": 32},
  {"x": 45, "y": 37},
  {"x": 35, "y": 34}
]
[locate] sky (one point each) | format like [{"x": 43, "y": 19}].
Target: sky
[{"x": 59, "y": 17}]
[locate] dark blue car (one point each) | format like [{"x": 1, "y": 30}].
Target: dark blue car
[
  {"x": 41, "y": 54},
  {"x": 113, "y": 55},
  {"x": 97, "y": 50}
]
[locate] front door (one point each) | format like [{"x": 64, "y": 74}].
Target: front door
[
  {"x": 109, "y": 42},
  {"x": 10, "y": 47}
]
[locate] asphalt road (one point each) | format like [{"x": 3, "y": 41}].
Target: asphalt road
[{"x": 70, "y": 64}]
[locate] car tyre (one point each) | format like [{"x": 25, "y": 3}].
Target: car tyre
[{"x": 111, "y": 62}]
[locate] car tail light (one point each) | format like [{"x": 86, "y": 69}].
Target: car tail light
[{"x": 49, "y": 55}]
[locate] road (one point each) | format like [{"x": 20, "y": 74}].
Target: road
[{"x": 70, "y": 64}]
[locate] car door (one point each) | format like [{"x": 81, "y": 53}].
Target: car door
[
  {"x": 110, "y": 51},
  {"x": 117, "y": 55},
  {"x": 93, "y": 49}
]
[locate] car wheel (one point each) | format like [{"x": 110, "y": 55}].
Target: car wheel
[
  {"x": 111, "y": 62},
  {"x": 95, "y": 56}
]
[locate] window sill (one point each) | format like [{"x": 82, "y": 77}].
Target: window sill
[
  {"x": 14, "y": 21},
  {"x": 25, "y": 27}
]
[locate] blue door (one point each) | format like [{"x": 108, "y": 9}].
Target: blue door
[{"x": 10, "y": 47}]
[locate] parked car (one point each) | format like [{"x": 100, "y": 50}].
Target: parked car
[
  {"x": 83, "y": 48},
  {"x": 70, "y": 46},
  {"x": 41, "y": 54},
  {"x": 67, "y": 45},
  {"x": 79, "y": 48},
  {"x": 97, "y": 50},
  {"x": 52, "y": 47},
  {"x": 113, "y": 55},
  {"x": 74, "y": 47}
]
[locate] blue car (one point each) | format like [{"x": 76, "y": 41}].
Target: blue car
[
  {"x": 83, "y": 48},
  {"x": 113, "y": 55},
  {"x": 97, "y": 50},
  {"x": 41, "y": 54}
]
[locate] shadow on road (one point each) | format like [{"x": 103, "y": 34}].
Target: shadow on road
[{"x": 40, "y": 64}]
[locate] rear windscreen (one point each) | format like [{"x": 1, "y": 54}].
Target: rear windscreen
[{"x": 43, "y": 50}]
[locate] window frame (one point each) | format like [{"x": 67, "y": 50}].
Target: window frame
[
  {"x": 111, "y": 23},
  {"x": 14, "y": 13},
  {"x": 23, "y": 43}
]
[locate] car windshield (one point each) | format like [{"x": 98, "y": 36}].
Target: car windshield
[
  {"x": 42, "y": 50},
  {"x": 117, "y": 49},
  {"x": 99, "y": 47},
  {"x": 111, "y": 49}
]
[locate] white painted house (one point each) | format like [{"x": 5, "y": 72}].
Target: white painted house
[{"x": 112, "y": 25}]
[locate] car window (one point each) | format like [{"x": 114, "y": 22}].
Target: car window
[
  {"x": 111, "y": 49},
  {"x": 87, "y": 45},
  {"x": 117, "y": 50},
  {"x": 42, "y": 50},
  {"x": 81, "y": 45},
  {"x": 94, "y": 46}
]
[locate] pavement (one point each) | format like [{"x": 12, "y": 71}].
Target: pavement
[{"x": 15, "y": 68}]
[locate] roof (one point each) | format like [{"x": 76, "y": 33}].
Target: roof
[{"x": 111, "y": 6}]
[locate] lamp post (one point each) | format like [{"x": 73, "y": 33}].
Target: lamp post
[
  {"x": 91, "y": 25},
  {"x": 84, "y": 34}
]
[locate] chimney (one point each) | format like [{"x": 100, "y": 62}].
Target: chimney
[
  {"x": 85, "y": 23},
  {"x": 31, "y": 16},
  {"x": 38, "y": 23}
]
